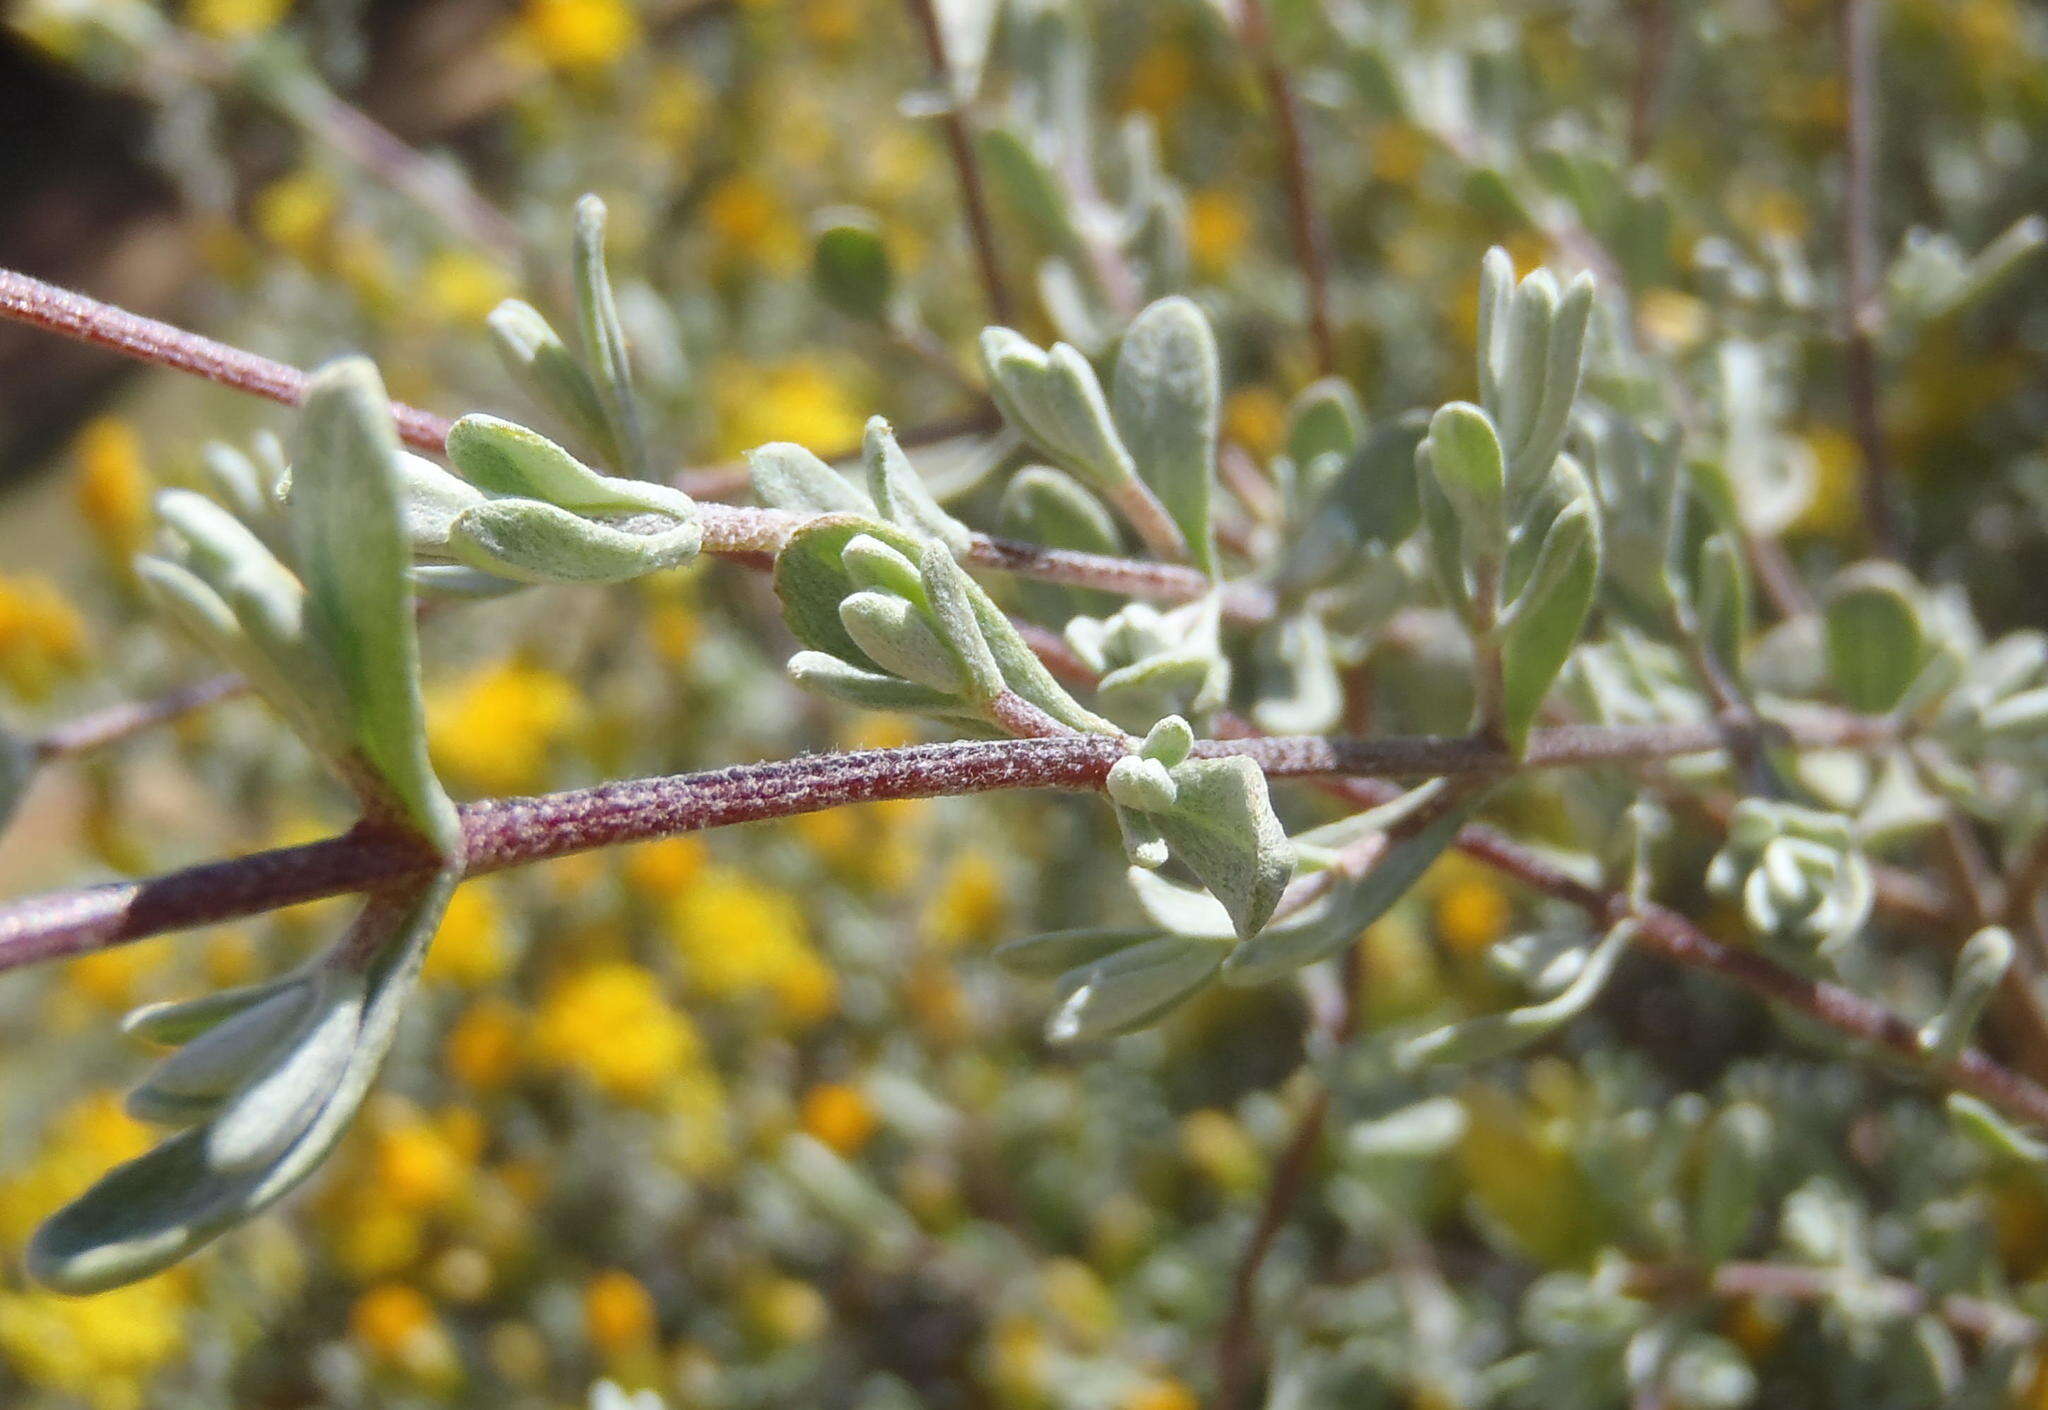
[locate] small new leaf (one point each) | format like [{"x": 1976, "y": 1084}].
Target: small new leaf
[{"x": 1876, "y": 643}]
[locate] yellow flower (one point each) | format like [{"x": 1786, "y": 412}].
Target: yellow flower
[
  {"x": 578, "y": 36},
  {"x": 415, "y": 1164},
  {"x": 378, "y": 1241},
  {"x": 1835, "y": 511},
  {"x": 666, "y": 868},
  {"x": 108, "y": 979},
  {"x": 396, "y": 1325},
  {"x": 234, "y": 19},
  {"x": 1472, "y": 912},
  {"x": 497, "y": 728},
  {"x": 1161, "y": 79},
  {"x": 1214, "y": 1143},
  {"x": 967, "y": 905},
  {"x": 1160, "y": 1395},
  {"x": 1256, "y": 418},
  {"x": 741, "y": 939},
  {"x": 1672, "y": 321},
  {"x": 483, "y": 1049},
  {"x": 751, "y": 224},
  {"x": 1524, "y": 1179},
  {"x": 1084, "y": 1307},
  {"x": 799, "y": 400},
  {"x": 1219, "y": 228},
  {"x": 677, "y": 105},
  {"x": 78, "y": 1148},
  {"x": 42, "y": 637},
  {"x": 783, "y": 1311},
  {"x": 100, "y": 1350},
  {"x": 1399, "y": 152},
  {"x": 611, "y": 1024},
  {"x": 461, "y": 286},
  {"x": 618, "y": 1313},
  {"x": 471, "y": 948},
  {"x": 296, "y": 212},
  {"x": 113, "y": 487},
  {"x": 840, "y": 1116},
  {"x": 1020, "y": 1361}
]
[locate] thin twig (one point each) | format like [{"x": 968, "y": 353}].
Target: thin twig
[
  {"x": 516, "y": 832},
  {"x": 960, "y": 144},
  {"x": 1653, "y": 52},
  {"x": 1862, "y": 309},
  {"x": 99, "y": 728},
  {"x": 1311, "y": 248}
]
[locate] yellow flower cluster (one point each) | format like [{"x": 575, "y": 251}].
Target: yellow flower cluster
[
  {"x": 496, "y": 729},
  {"x": 42, "y": 636},
  {"x": 611, "y": 1024},
  {"x": 741, "y": 940}
]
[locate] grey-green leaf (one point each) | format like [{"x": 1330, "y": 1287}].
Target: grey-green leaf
[
  {"x": 1540, "y": 632},
  {"x": 1222, "y": 827},
  {"x": 1133, "y": 987},
  {"x": 348, "y": 534},
  {"x": 900, "y": 493},
  {"x": 534, "y": 542},
  {"x": 1165, "y": 397},
  {"x": 1876, "y": 643},
  {"x": 604, "y": 340},
  {"x": 506, "y": 458},
  {"x": 1055, "y": 952},
  {"x": 850, "y": 266},
  {"x": 786, "y": 476},
  {"x": 542, "y": 363},
  {"x": 153, "y": 1211},
  {"x": 1498, "y": 1034}
]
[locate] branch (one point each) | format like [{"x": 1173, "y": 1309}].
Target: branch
[
  {"x": 118, "y": 722},
  {"x": 960, "y": 144},
  {"x": 1666, "y": 933},
  {"x": 1310, "y": 247},
  {"x": 1862, "y": 310},
  {"x": 516, "y": 832}
]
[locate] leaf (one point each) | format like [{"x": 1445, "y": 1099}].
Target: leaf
[
  {"x": 1055, "y": 952},
  {"x": 18, "y": 762},
  {"x": 894, "y": 634},
  {"x": 1047, "y": 506},
  {"x": 1731, "y": 1176},
  {"x": 604, "y": 340},
  {"x": 1132, "y": 987},
  {"x": 850, "y": 265},
  {"x": 1354, "y": 905},
  {"x": 218, "y": 1057},
  {"x": 1180, "y": 910},
  {"x": 951, "y": 596},
  {"x": 1876, "y": 643},
  {"x": 541, "y": 363},
  {"x": 1538, "y": 635},
  {"x": 532, "y": 542},
  {"x": 509, "y": 459},
  {"x": 900, "y": 493},
  {"x": 1299, "y": 691},
  {"x": 1463, "y": 452},
  {"x": 869, "y": 690},
  {"x": 1165, "y": 395},
  {"x": 349, "y": 539},
  {"x": 1053, "y": 397},
  {"x": 786, "y": 476},
  {"x": 1498, "y": 1034},
  {"x": 149, "y": 1213},
  {"x": 1222, "y": 828},
  {"x": 1325, "y": 420}
]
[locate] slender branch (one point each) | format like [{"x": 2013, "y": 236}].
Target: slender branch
[
  {"x": 1975, "y": 1317},
  {"x": 1666, "y": 933},
  {"x": 1653, "y": 53},
  {"x": 100, "y": 728},
  {"x": 520, "y": 831},
  {"x": 56, "y": 310},
  {"x": 1862, "y": 310},
  {"x": 960, "y": 144},
  {"x": 1311, "y": 249}
]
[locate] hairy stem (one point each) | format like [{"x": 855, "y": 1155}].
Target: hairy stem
[
  {"x": 960, "y": 146},
  {"x": 1311, "y": 249},
  {"x": 517, "y": 832}
]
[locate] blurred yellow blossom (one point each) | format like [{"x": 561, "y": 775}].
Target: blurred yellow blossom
[
  {"x": 751, "y": 224},
  {"x": 1160, "y": 1395},
  {"x": 1472, "y": 911},
  {"x": 42, "y": 637},
  {"x": 497, "y": 727},
  {"x": 1215, "y": 1144},
  {"x": 234, "y": 19},
  {"x": 739, "y": 938},
  {"x": 665, "y": 868},
  {"x": 462, "y": 286},
  {"x": 78, "y": 1148},
  {"x": 783, "y": 1311},
  {"x": 296, "y": 211},
  {"x": 113, "y": 487},
  {"x": 798, "y": 400},
  {"x": 1256, "y": 418},
  {"x": 471, "y": 948},
  {"x": 1219, "y": 228},
  {"x": 1084, "y": 1307},
  {"x": 618, "y": 1313},
  {"x": 840, "y": 1116},
  {"x": 483, "y": 1049},
  {"x": 416, "y": 1164},
  {"x": 612, "y": 1024},
  {"x": 967, "y": 905},
  {"x": 577, "y": 36},
  {"x": 104, "y": 1349}
]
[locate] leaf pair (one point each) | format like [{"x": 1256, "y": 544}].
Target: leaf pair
[
  {"x": 332, "y": 648},
  {"x": 1155, "y": 663},
  {"x": 891, "y": 621},
  {"x": 1149, "y": 446}
]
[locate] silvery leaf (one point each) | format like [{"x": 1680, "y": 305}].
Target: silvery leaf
[
  {"x": 787, "y": 476},
  {"x": 1132, "y": 987},
  {"x": 504, "y": 458},
  {"x": 1165, "y": 397},
  {"x": 604, "y": 341},
  {"x": 153, "y": 1211},
  {"x": 1222, "y": 827},
  {"x": 551, "y": 374},
  {"x": 900, "y": 494},
  {"x": 1055, "y": 952},
  {"x": 533, "y": 542}
]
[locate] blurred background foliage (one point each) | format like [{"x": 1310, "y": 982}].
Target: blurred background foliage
[{"x": 752, "y": 1119}]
